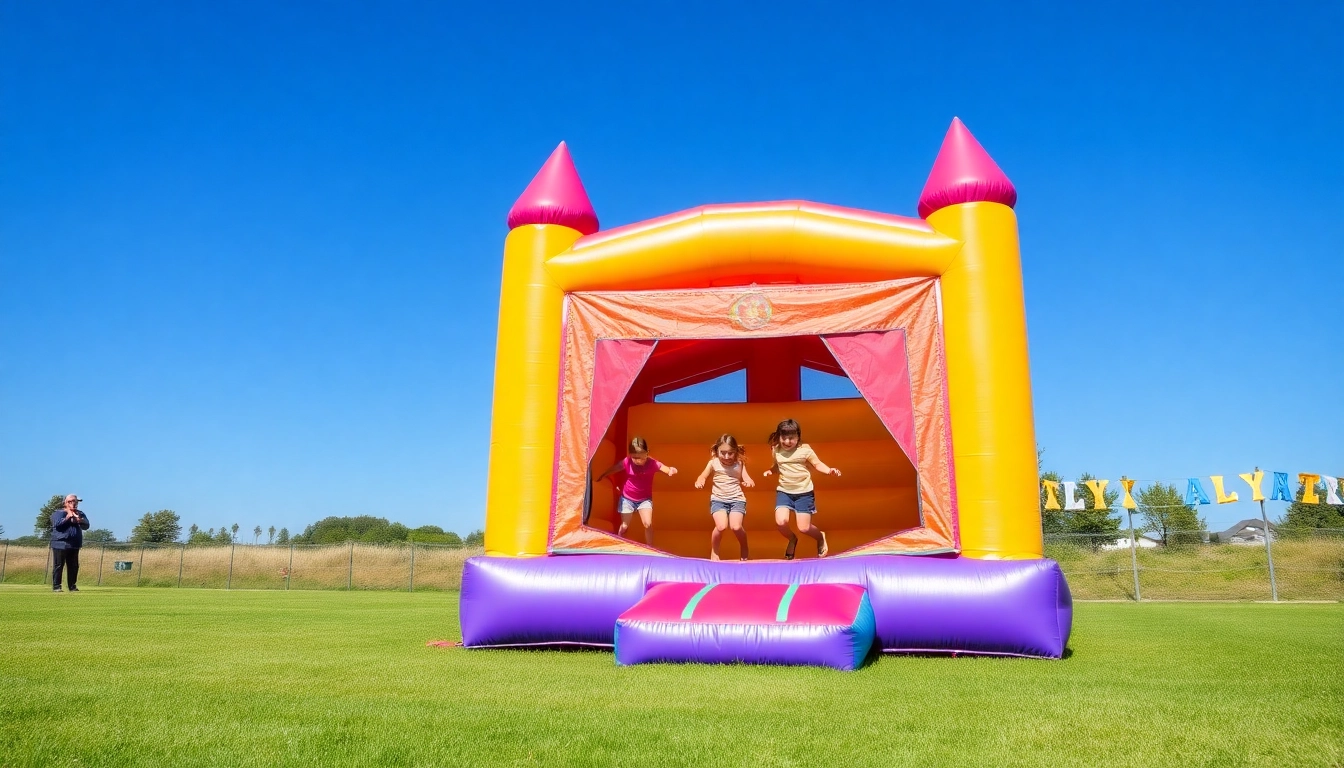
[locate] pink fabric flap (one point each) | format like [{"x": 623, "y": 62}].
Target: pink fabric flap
[
  {"x": 616, "y": 364},
  {"x": 875, "y": 361}
]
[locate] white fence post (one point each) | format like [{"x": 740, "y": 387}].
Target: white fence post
[
  {"x": 1133, "y": 551},
  {"x": 1269, "y": 552}
]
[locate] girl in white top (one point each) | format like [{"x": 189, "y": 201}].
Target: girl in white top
[
  {"x": 727, "y": 502},
  {"x": 795, "y": 493}
]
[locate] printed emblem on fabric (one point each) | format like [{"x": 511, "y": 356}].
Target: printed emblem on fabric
[{"x": 751, "y": 311}]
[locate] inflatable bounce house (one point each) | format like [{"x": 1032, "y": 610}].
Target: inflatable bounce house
[{"x": 934, "y": 528}]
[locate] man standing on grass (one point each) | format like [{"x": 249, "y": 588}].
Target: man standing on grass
[{"x": 67, "y": 536}]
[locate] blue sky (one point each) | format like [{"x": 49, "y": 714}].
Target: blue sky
[{"x": 249, "y": 255}]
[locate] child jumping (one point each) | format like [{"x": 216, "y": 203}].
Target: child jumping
[
  {"x": 637, "y": 488},
  {"x": 727, "y": 502},
  {"x": 795, "y": 493}
]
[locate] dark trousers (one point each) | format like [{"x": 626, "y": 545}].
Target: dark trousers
[{"x": 67, "y": 559}]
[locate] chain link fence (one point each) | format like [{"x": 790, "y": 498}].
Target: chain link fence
[
  {"x": 409, "y": 567},
  {"x": 1191, "y": 565},
  {"x": 1294, "y": 564}
]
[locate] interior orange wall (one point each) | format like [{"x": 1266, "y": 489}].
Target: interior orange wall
[{"x": 875, "y": 496}]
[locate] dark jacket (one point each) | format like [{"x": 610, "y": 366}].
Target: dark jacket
[{"x": 67, "y": 534}]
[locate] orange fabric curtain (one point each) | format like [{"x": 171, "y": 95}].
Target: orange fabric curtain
[{"x": 740, "y": 312}]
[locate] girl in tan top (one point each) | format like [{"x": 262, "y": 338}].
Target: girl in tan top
[
  {"x": 795, "y": 493},
  {"x": 727, "y": 502}
]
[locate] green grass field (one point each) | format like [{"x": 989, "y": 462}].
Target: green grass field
[{"x": 120, "y": 676}]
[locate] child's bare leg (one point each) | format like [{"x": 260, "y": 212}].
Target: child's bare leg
[
  {"x": 646, "y": 517},
  {"x": 625, "y": 524},
  {"x": 735, "y": 523},
  {"x": 720, "y": 525},
  {"x": 782, "y": 525},
  {"x": 806, "y": 528}
]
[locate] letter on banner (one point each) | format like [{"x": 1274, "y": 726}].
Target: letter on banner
[
  {"x": 1256, "y": 481},
  {"x": 1128, "y": 503},
  {"x": 1051, "y": 493},
  {"x": 1281, "y": 492},
  {"x": 1223, "y": 498},
  {"x": 1070, "y": 488},
  {"x": 1331, "y": 489},
  {"x": 1194, "y": 491},
  {"x": 1309, "y": 482},
  {"x": 1098, "y": 488}
]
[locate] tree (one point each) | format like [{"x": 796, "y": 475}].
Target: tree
[
  {"x": 42, "y": 526},
  {"x": 234, "y": 537},
  {"x": 223, "y": 537},
  {"x": 197, "y": 537},
  {"x": 1164, "y": 512},
  {"x": 256, "y": 534},
  {"x": 100, "y": 536},
  {"x": 433, "y": 534},
  {"x": 1302, "y": 516},
  {"x": 2, "y": 530},
  {"x": 474, "y": 539},
  {"x": 282, "y": 537},
  {"x": 270, "y": 535},
  {"x": 157, "y": 528},
  {"x": 337, "y": 530}
]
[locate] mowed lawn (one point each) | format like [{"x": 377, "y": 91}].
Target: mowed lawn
[{"x": 201, "y": 677}]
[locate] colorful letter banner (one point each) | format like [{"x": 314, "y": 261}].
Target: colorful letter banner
[
  {"x": 1255, "y": 480},
  {"x": 1055, "y": 490},
  {"x": 1331, "y": 489},
  {"x": 1051, "y": 493},
  {"x": 1281, "y": 492},
  {"x": 1128, "y": 485},
  {"x": 1194, "y": 492},
  {"x": 1223, "y": 498}
]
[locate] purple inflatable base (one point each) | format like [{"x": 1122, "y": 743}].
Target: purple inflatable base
[{"x": 920, "y": 604}]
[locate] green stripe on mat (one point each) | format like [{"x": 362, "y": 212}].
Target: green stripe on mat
[
  {"x": 690, "y": 607},
  {"x": 784, "y": 602}
]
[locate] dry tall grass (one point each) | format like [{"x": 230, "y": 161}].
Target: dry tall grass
[
  {"x": 1304, "y": 569},
  {"x": 341, "y": 566}
]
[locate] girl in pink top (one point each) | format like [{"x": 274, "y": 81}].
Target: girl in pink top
[{"x": 637, "y": 486}]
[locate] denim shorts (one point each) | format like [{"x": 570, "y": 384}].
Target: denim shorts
[
  {"x": 740, "y": 507},
  {"x": 802, "y": 503},
  {"x": 629, "y": 507}
]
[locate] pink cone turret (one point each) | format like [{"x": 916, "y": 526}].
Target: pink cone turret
[
  {"x": 555, "y": 196},
  {"x": 964, "y": 173}
]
